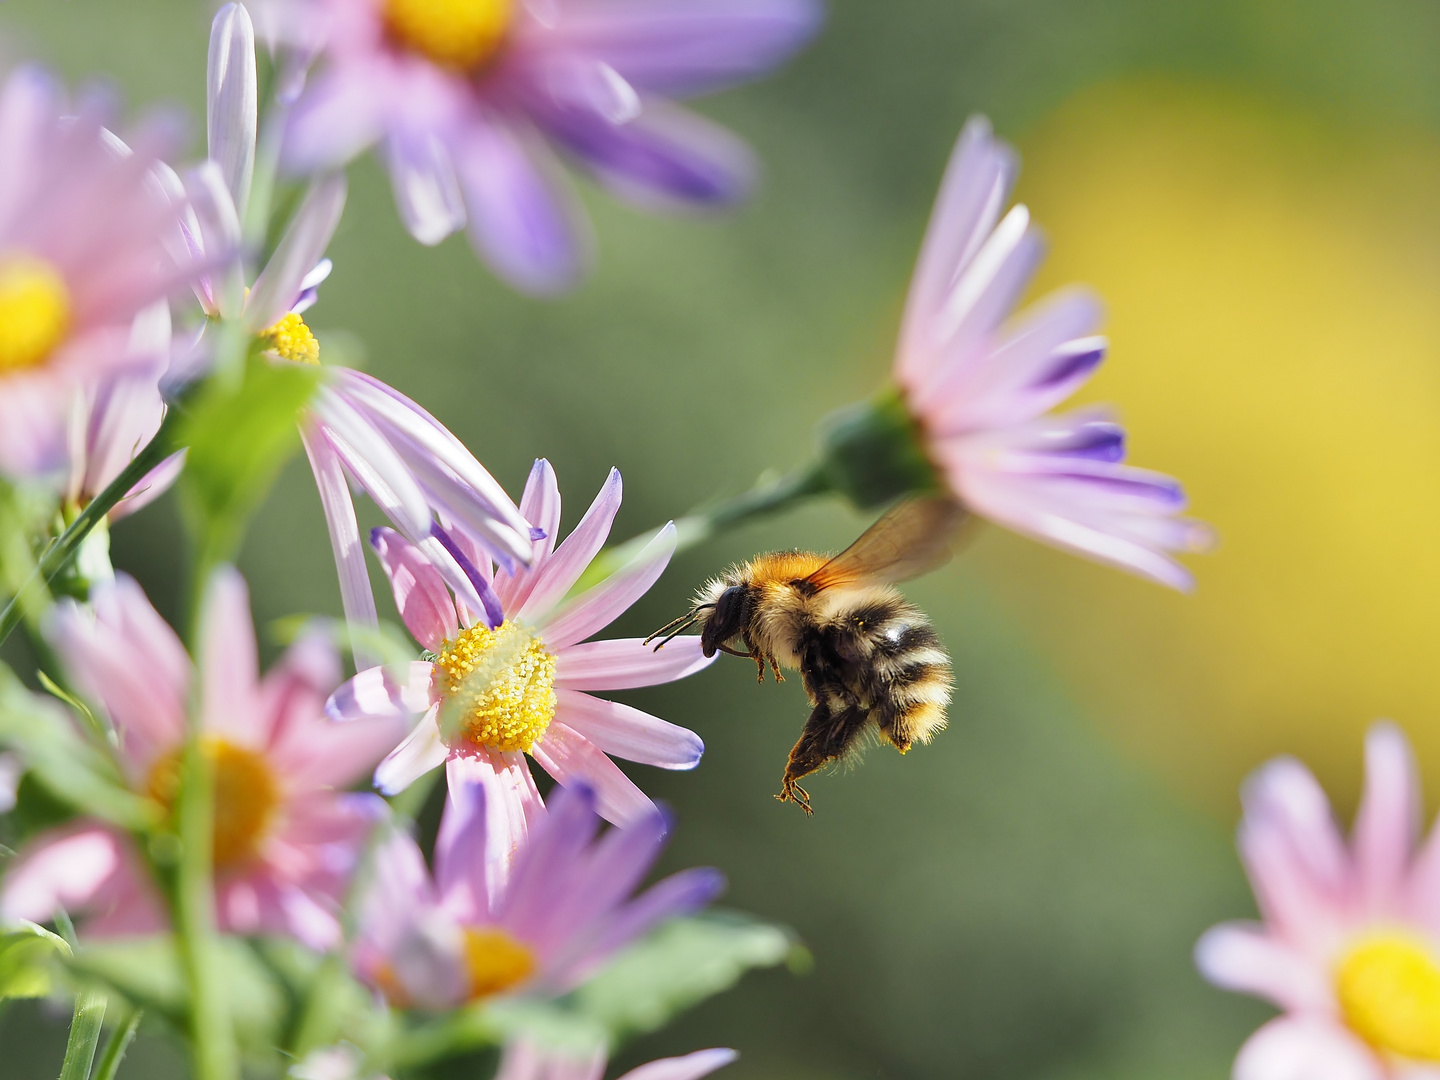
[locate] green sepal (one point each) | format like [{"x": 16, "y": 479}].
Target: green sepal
[{"x": 874, "y": 452}]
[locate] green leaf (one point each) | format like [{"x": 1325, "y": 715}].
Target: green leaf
[
  {"x": 680, "y": 965},
  {"x": 71, "y": 768},
  {"x": 239, "y": 437},
  {"x": 26, "y": 951}
]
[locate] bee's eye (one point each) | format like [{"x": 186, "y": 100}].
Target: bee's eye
[{"x": 728, "y": 606}]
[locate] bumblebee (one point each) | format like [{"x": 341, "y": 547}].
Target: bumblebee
[{"x": 869, "y": 659}]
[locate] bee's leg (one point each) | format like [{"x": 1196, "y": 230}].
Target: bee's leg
[
  {"x": 826, "y": 736},
  {"x": 757, "y": 656},
  {"x": 775, "y": 667}
]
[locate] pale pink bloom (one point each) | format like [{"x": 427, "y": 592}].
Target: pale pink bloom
[
  {"x": 980, "y": 382},
  {"x": 524, "y": 1060},
  {"x": 538, "y": 651},
  {"x": 503, "y": 917},
  {"x": 83, "y": 229},
  {"x": 1349, "y": 946},
  {"x": 287, "y": 836}
]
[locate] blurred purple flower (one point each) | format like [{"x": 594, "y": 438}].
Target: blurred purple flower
[
  {"x": 1349, "y": 947},
  {"x": 83, "y": 226},
  {"x": 511, "y": 664},
  {"x": 536, "y": 915},
  {"x": 468, "y": 99},
  {"x": 286, "y": 836},
  {"x": 980, "y": 384},
  {"x": 523, "y": 1060}
]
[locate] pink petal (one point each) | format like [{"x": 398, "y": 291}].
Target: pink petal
[
  {"x": 626, "y": 663},
  {"x": 493, "y": 806},
  {"x": 572, "y": 759},
  {"x": 402, "y": 689},
  {"x": 74, "y": 867},
  {"x": 629, "y": 733},
  {"x": 340, "y": 114},
  {"x": 540, "y": 505},
  {"x": 600, "y": 605},
  {"x": 1388, "y": 821},
  {"x": 1243, "y": 958},
  {"x": 330, "y": 753},
  {"x": 228, "y": 664},
  {"x": 421, "y": 751},
  {"x": 690, "y": 1067},
  {"x": 420, "y": 594},
  {"x": 524, "y": 1060},
  {"x": 427, "y": 194},
  {"x": 1306, "y": 1048},
  {"x": 563, "y": 569},
  {"x": 301, "y": 246}
]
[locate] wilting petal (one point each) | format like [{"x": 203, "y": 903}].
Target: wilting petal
[
  {"x": 626, "y": 663},
  {"x": 628, "y": 733}
]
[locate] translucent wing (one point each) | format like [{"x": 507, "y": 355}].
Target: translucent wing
[{"x": 909, "y": 540}]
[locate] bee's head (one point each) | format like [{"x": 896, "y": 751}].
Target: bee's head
[{"x": 729, "y": 612}]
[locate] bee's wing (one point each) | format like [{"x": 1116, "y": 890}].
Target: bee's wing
[{"x": 909, "y": 540}]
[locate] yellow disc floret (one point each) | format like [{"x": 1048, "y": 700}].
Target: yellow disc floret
[
  {"x": 291, "y": 339},
  {"x": 496, "y": 961},
  {"x": 34, "y": 311},
  {"x": 1389, "y": 992},
  {"x": 246, "y": 797},
  {"x": 498, "y": 687},
  {"x": 460, "y": 34}
]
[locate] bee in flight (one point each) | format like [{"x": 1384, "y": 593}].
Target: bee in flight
[{"x": 868, "y": 658}]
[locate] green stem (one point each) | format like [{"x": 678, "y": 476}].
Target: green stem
[
  {"x": 62, "y": 550},
  {"x": 84, "y": 1034},
  {"x": 116, "y": 1047},
  {"x": 764, "y": 499}
]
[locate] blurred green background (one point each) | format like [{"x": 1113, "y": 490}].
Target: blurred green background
[{"x": 1251, "y": 185}]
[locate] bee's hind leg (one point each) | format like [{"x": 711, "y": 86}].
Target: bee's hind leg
[{"x": 827, "y": 735}]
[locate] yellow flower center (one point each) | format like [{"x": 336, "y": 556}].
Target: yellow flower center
[
  {"x": 291, "y": 339},
  {"x": 246, "y": 797},
  {"x": 498, "y": 687},
  {"x": 460, "y": 34},
  {"x": 1389, "y": 991},
  {"x": 34, "y": 311},
  {"x": 496, "y": 961}
]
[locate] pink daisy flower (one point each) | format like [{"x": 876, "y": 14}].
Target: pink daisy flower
[
  {"x": 979, "y": 384},
  {"x": 524, "y": 1060},
  {"x": 83, "y": 229},
  {"x": 286, "y": 836},
  {"x": 1349, "y": 947},
  {"x": 495, "y": 919},
  {"x": 512, "y": 668},
  {"x": 469, "y": 101}
]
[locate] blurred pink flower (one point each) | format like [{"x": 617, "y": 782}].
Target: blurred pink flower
[
  {"x": 524, "y": 1060},
  {"x": 1349, "y": 947},
  {"x": 469, "y": 99},
  {"x": 511, "y": 664},
  {"x": 504, "y": 915},
  {"x": 83, "y": 229},
  {"x": 980, "y": 384},
  {"x": 286, "y": 836}
]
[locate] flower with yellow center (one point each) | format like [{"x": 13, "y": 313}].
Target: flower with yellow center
[
  {"x": 1389, "y": 991},
  {"x": 291, "y": 339},
  {"x": 458, "y": 34},
  {"x": 245, "y": 791},
  {"x": 497, "y": 687},
  {"x": 495, "y": 961},
  {"x": 35, "y": 311}
]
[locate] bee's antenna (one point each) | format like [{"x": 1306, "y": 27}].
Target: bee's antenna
[{"x": 676, "y": 626}]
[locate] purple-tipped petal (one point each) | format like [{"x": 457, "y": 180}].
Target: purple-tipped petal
[
  {"x": 690, "y": 1067},
  {"x": 573, "y": 760},
  {"x": 524, "y": 220},
  {"x": 399, "y": 689},
  {"x": 502, "y": 784},
  {"x": 540, "y": 505},
  {"x": 232, "y": 102},
  {"x": 420, "y": 594},
  {"x": 545, "y": 869},
  {"x": 626, "y": 663},
  {"x": 356, "y": 597},
  {"x": 554, "y": 579},
  {"x": 421, "y": 751},
  {"x": 599, "y": 606},
  {"x": 301, "y": 247},
  {"x": 628, "y": 733},
  {"x": 372, "y": 461},
  {"x": 494, "y": 614}
]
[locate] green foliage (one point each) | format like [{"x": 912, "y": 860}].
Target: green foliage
[
  {"x": 26, "y": 952},
  {"x": 239, "y": 437},
  {"x": 71, "y": 768}
]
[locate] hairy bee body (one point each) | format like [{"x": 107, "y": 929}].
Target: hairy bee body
[{"x": 869, "y": 659}]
